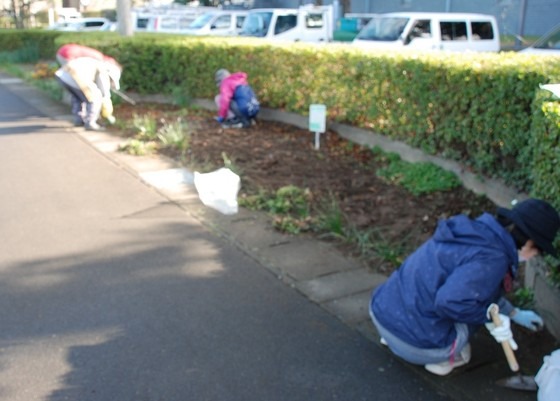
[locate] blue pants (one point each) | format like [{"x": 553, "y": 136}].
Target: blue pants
[
  {"x": 84, "y": 111},
  {"x": 423, "y": 356}
]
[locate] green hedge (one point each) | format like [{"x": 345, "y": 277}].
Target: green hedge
[
  {"x": 544, "y": 148},
  {"x": 38, "y": 43},
  {"x": 473, "y": 108},
  {"x": 478, "y": 109}
]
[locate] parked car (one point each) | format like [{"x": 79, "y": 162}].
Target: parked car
[
  {"x": 85, "y": 24},
  {"x": 305, "y": 24},
  {"x": 431, "y": 31},
  {"x": 548, "y": 44},
  {"x": 217, "y": 23}
]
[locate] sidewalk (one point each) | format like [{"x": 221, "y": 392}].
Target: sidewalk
[{"x": 314, "y": 269}]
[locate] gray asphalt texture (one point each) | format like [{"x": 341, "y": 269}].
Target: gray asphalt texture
[{"x": 115, "y": 289}]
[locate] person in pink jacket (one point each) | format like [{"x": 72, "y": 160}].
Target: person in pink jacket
[{"x": 237, "y": 103}]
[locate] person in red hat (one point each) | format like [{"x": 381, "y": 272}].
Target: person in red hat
[
  {"x": 71, "y": 51},
  {"x": 88, "y": 76},
  {"x": 89, "y": 82},
  {"x": 427, "y": 309}
]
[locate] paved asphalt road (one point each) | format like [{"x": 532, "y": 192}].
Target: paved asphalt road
[{"x": 110, "y": 292}]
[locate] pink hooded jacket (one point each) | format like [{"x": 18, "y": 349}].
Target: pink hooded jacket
[{"x": 227, "y": 89}]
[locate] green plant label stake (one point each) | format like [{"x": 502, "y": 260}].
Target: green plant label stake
[{"x": 317, "y": 121}]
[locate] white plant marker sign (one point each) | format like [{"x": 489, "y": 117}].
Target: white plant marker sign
[{"x": 317, "y": 121}]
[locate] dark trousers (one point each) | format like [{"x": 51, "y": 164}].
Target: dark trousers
[{"x": 234, "y": 107}]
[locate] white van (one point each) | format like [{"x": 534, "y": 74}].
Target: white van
[
  {"x": 431, "y": 31},
  {"x": 217, "y": 23},
  {"x": 173, "y": 19},
  {"x": 305, "y": 24}
]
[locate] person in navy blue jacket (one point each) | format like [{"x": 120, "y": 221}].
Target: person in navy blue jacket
[{"x": 427, "y": 309}]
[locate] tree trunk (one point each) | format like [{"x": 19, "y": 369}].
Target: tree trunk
[
  {"x": 15, "y": 13},
  {"x": 20, "y": 13}
]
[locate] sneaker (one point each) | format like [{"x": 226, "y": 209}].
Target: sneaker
[
  {"x": 78, "y": 122},
  {"x": 232, "y": 123},
  {"x": 93, "y": 127},
  {"x": 444, "y": 368}
]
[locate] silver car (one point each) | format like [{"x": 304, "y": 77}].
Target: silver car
[{"x": 85, "y": 24}]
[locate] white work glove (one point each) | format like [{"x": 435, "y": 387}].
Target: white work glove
[
  {"x": 528, "y": 319},
  {"x": 503, "y": 332}
]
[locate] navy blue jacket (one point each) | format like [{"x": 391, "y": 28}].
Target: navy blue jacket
[{"x": 452, "y": 277}]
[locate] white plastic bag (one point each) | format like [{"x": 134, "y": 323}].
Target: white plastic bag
[
  {"x": 548, "y": 378},
  {"x": 218, "y": 189}
]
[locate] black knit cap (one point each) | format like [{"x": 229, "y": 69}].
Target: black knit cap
[{"x": 537, "y": 219}]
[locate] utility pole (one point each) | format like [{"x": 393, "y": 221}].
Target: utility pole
[{"x": 124, "y": 18}]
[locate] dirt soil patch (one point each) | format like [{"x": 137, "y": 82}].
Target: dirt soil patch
[{"x": 272, "y": 155}]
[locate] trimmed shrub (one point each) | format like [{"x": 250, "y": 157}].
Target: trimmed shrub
[{"x": 479, "y": 109}]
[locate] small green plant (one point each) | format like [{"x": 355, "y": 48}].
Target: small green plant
[
  {"x": 145, "y": 126},
  {"x": 372, "y": 242},
  {"x": 555, "y": 277},
  {"x": 362, "y": 239},
  {"x": 256, "y": 201},
  {"x": 229, "y": 163},
  {"x": 289, "y": 205},
  {"x": 331, "y": 219},
  {"x": 290, "y": 200},
  {"x": 286, "y": 200},
  {"x": 390, "y": 252},
  {"x": 174, "y": 135},
  {"x": 418, "y": 178},
  {"x": 293, "y": 225},
  {"x": 137, "y": 147},
  {"x": 523, "y": 298},
  {"x": 553, "y": 267}
]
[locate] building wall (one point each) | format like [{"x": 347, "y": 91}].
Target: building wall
[
  {"x": 540, "y": 15},
  {"x": 95, "y": 5}
]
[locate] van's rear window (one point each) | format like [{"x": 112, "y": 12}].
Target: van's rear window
[{"x": 453, "y": 30}]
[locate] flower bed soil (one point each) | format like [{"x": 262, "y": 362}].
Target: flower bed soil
[{"x": 272, "y": 155}]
